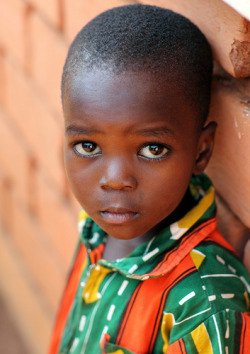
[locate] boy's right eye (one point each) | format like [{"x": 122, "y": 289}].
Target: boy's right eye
[{"x": 87, "y": 149}]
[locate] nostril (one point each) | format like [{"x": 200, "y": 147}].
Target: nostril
[
  {"x": 116, "y": 184},
  {"x": 105, "y": 187}
]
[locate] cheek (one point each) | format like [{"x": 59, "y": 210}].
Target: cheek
[
  {"x": 168, "y": 188},
  {"x": 79, "y": 179}
]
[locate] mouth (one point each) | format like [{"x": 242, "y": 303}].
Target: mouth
[{"x": 118, "y": 216}]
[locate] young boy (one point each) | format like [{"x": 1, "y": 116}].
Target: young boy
[{"x": 151, "y": 274}]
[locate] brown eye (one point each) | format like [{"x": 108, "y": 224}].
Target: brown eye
[
  {"x": 88, "y": 146},
  {"x": 156, "y": 149},
  {"x": 87, "y": 149},
  {"x": 153, "y": 151}
]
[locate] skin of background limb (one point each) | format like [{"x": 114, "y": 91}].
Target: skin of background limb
[{"x": 229, "y": 167}]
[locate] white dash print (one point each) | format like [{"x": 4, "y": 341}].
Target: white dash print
[
  {"x": 218, "y": 335},
  {"x": 92, "y": 317},
  {"x": 105, "y": 330},
  {"x": 221, "y": 260},
  {"x": 227, "y": 296},
  {"x": 74, "y": 345},
  {"x": 196, "y": 314},
  {"x": 82, "y": 323},
  {"x": 123, "y": 287},
  {"x": 176, "y": 231},
  {"x": 111, "y": 312},
  {"x": 245, "y": 283},
  {"x": 201, "y": 192},
  {"x": 186, "y": 298},
  {"x": 149, "y": 245},
  {"x": 94, "y": 238},
  {"x": 221, "y": 276},
  {"x": 212, "y": 297},
  {"x": 133, "y": 269},
  {"x": 80, "y": 225},
  {"x": 150, "y": 254},
  {"x": 233, "y": 270},
  {"x": 227, "y": 331}
]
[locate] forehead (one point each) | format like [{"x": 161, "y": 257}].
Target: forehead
[{"x": 127, "y": 97}]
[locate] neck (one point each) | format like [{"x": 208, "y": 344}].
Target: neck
[{"x": 185, "y": 205}]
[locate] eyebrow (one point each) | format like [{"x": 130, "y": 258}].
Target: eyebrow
[
  {"x": 75, "y": 130},
  {"x": 157, "y": 132}
]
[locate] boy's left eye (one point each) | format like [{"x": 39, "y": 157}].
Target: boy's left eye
[{"x": 153, "y": 151}]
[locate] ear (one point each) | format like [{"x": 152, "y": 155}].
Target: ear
[{"x": 205, "y": 147}]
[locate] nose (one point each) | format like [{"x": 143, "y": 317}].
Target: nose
[{"x": 117, "y": 175}]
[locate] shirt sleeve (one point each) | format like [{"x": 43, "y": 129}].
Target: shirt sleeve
[{"x": 226, "y": 332}]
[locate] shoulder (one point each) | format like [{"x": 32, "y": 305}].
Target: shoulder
[
  {"x": 218, "y": 278},
  {"x": 224, "y": 332},
  {"x": 223, "y": 277},
  {"x": 218, "y": 284}
]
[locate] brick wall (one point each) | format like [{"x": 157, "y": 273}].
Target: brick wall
[
  {"x": 38, "y": 214},
  {"x": 37, "y": 211}
]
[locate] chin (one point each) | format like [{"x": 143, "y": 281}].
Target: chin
[{"x": 125, "y": 233}]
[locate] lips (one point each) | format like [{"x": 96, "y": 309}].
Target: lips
[{"x": 118, "y": 216}]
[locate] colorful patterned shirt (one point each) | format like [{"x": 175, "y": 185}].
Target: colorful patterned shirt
[{"x": 184, "y": 291}]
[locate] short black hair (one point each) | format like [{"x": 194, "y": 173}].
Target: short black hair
[{"x": 146, "y": 38}]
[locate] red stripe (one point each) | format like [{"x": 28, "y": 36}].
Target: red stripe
[
  {"x": 144, "y": 312},
  {"x": 68, "y": 297}
]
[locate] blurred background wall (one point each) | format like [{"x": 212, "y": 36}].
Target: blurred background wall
[{"x": 38, "y": 215}]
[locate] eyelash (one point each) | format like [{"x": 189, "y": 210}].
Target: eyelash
[
  {"x": 82, "y": 155},
  {"x": 163, "y": 146},
  {"x": 159, "y": 145}
]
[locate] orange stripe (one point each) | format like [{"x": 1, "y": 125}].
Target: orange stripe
[
  {"x": 177, "y": 347},
  {"x": 145, "y": 309},
  {"x": 129, "y": 308},
  {"x": 182, "y": 346},
  {"x": 68, "y": 297},
  {"x": 96, "y": 254},
  {"x": 245, "y": 334},
  {"x": 218, "y": 238},
  {"x": 186, "y": 245}
]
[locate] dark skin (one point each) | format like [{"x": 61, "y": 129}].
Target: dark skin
[{"x": 132, "y": 143}]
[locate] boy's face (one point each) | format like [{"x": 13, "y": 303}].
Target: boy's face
[{"x": 131, "y": 146}]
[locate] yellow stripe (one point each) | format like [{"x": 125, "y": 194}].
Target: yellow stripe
[
  {"x": 201, "y": 339},
  {"x": 196, "y": 213},
  {"x": 90, "y": 292},
  {"x": 247, "y": 299},
  {"x": 167, "y": 325}
]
